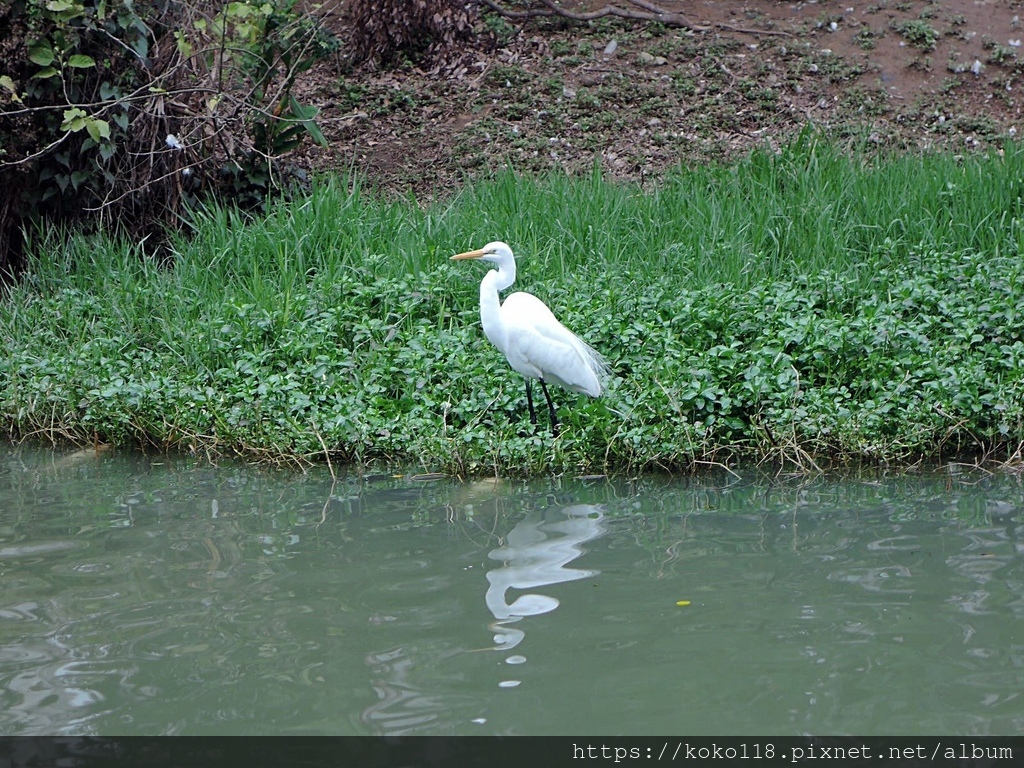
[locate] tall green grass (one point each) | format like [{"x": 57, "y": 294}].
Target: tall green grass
[
  {"x": 801, "y": 304},
  {"x": 806, "y": 209}
]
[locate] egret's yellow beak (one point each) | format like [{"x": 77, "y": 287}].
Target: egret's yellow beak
[{"x": 469, "y": 255}]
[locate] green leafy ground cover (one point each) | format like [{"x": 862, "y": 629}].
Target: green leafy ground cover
[{"x": 803, "y": 307}]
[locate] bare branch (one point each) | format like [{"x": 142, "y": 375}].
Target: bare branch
[{"x": 52, "y": 145}]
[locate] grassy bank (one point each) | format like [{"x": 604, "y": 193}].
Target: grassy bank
[{"x": 800, "y": 307}]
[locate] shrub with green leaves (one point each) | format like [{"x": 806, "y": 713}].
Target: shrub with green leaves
[{"x": 121, "y": 112}]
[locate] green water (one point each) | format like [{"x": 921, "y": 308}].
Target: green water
[{"x": 165, "y": 596}]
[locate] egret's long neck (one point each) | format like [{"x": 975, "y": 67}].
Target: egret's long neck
[
  {"x": 490, "y": 302},
  {"x": 506, "y": 274}
]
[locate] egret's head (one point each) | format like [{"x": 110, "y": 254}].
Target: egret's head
[{"x": 496, "y": 253}]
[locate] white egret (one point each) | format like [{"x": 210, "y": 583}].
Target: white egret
[{"x": 535, "y": 344}]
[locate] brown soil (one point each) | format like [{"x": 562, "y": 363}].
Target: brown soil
[{"x": 549, "y": 94}]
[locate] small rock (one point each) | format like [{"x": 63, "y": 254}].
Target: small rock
[
  {"x": 976, "y": 67},
  {"x": 651, "y": 61},
  {"x": 609, "y": 50}
]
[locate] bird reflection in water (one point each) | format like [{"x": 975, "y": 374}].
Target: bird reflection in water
[{"x": 535, "y": 554}]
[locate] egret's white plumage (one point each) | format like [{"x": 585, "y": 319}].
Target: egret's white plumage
[{"x": 528, "y": 334}]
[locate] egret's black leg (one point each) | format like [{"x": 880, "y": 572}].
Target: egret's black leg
[
  {"x": 551, "y": 408},
  {"x": 529, "y": 401}
]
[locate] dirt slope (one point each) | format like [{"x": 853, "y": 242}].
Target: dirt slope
[{"x": 640, "y": 98}]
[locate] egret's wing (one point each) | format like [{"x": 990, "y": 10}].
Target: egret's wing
[
  {"x": 546, "y": 324},
  {"x": 541, "y": 346}
]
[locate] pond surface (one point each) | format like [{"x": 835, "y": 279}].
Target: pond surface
[{"x": 166, "y": 596}]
